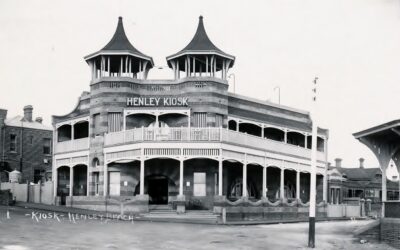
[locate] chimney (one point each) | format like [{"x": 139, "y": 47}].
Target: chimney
[
  {"x": 361, "y": 162},
  {"x": 338, "y": 162},
  {"x": 28, "y": 113},
  {"x": 3, "y": 116},
  {"x": 39, "y": 119}
]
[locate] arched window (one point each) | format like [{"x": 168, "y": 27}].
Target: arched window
[{"x": 95, "y": 162}]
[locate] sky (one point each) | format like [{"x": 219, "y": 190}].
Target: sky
[{"x": 352, "y": 46}]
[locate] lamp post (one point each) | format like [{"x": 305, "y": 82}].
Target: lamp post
[
  {"x": 234, "y": 81},
  {"x": 311, "y": 226}
]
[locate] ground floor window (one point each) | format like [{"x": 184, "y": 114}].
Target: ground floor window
[
  {"x": 96, "y": 178},
  {"x": 199, "y": 184}
]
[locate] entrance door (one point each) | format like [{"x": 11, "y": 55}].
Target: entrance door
[
  {"x": 158, "y": 190},
  {"x": 114, "y": 181}
]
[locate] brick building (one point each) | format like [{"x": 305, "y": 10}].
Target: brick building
[
  {"x": 185, "y": 141},
  {"x": 361, "y": 182},
  {"x": 26, "y": 146}
]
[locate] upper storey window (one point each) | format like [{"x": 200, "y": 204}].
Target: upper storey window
[{"x": 13, "y": 142}]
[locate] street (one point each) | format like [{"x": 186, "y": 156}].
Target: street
[{"x": 26, "y": 229}]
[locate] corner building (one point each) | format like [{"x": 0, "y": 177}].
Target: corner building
[{"x": 185, "y": 143}]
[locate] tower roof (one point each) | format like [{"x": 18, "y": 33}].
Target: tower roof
[
  {"x": 120, "y": 44},
  {"x": 201, "y": 44}
]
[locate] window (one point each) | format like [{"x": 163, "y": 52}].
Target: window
[
  {"x": 96, "y": 122},
  {"x": 37, "y": 175},
  {"x": 114, "y": 122},
  {"x": 46, "y": 146},
  {"x": 13, "y": 143},
  {"x": 199, "y": 184},
  {"x": 30, "y": 139},
  {"x": 96, "y": 182},
  {"x": 200, "y": 120}
]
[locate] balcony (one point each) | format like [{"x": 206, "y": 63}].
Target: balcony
[
  {"x": 72, "y": 145},
  {"x": 209, "y": 134}
]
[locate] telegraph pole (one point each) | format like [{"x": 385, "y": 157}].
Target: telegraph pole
[{"x": 311, "y": 226}]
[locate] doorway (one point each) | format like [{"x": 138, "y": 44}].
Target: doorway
[{"x": 158, "y": 189}]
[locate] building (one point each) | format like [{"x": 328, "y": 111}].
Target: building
[
  {"x": 384, "y": 141},
  {"x": 25, "y": 145},
  {"x": 185, "y": 142},
  {"x": 360, "y": 182}
]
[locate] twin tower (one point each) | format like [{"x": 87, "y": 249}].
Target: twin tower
[{"x": 119, "y": 58}]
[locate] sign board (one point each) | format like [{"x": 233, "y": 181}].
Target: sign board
[{"x": 157, "y": 101}]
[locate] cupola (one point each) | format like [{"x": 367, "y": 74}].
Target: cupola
[
  {"x": 201, "y": 58},
  {"x": 119, "y": 58}
]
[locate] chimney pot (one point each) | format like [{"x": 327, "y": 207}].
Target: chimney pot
[
  {"x": 338, "y": 162},
  {"x": 28, "y": 113},
  {"x": 39, "y": 119}
]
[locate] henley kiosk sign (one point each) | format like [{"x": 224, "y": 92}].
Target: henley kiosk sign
[{"x": 157, "y": 101}]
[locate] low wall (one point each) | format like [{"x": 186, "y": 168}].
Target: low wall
[
  {"x": 36, "y": 193},
  {"x": 19, "y": 191},
  {"x": 120, "y": 204},
  {"x": 264, "y": 210}
]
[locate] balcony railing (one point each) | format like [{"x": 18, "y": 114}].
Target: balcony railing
[
  {"x": 205, "y": 134},
  {"x": 162, "y": 134},
  {"x": 72, "y": 145}
]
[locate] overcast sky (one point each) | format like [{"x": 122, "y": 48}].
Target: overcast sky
[{"x": 353, "y": 46}]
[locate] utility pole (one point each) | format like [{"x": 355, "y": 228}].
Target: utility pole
[{"x": 311, "y": 226}]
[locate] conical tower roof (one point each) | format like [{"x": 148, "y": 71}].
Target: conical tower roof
[
  {"x": 201, "y": 44},
  {"x": 120, "y": 44}
]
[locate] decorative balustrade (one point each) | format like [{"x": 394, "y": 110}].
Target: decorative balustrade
[
  {"x": 209, "y": 134},
  {"x": 72, "y": 145}
]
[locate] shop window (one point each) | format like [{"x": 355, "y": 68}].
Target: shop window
[
  {"x": 13, "y": 143},
  {"x": 199, "y": 184},
  {"x": 46, "y": 146}
]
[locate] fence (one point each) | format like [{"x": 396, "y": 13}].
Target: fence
[{"x": 36, "y": 193}]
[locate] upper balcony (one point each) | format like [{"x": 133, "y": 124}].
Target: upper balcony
[
  {"x": 72, "y": 136},
  {"x": 209, "y": 134},
  {"x": 72, "y": 145}
]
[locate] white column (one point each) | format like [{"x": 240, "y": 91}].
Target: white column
[
  {"x": 141, "y": 176},
  {"x": 244, "y": 181},
  {"x": 305, "y": 141},
  {"x": 282, "y": 190},
  {"x": 87, "y": 181},
  {"x": 262, "y": 131},
  {"x": 72, "y": 132},
  {"x": 325, "y": 188},
  {"x": 384, "y": 191},
  {"x": 55, "y": 180},
  {"x": 264, "y": 182},
  {"x": 105, "y": 178},
  {"x": 220, "y": 175},
  {"x": 285, "y": 136},
  {"x": 71, "y": 181},
  {"x": 298, "y": 185},
  {"x": 180, "y": 177},
  {"x": 109, "y": 69}
]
